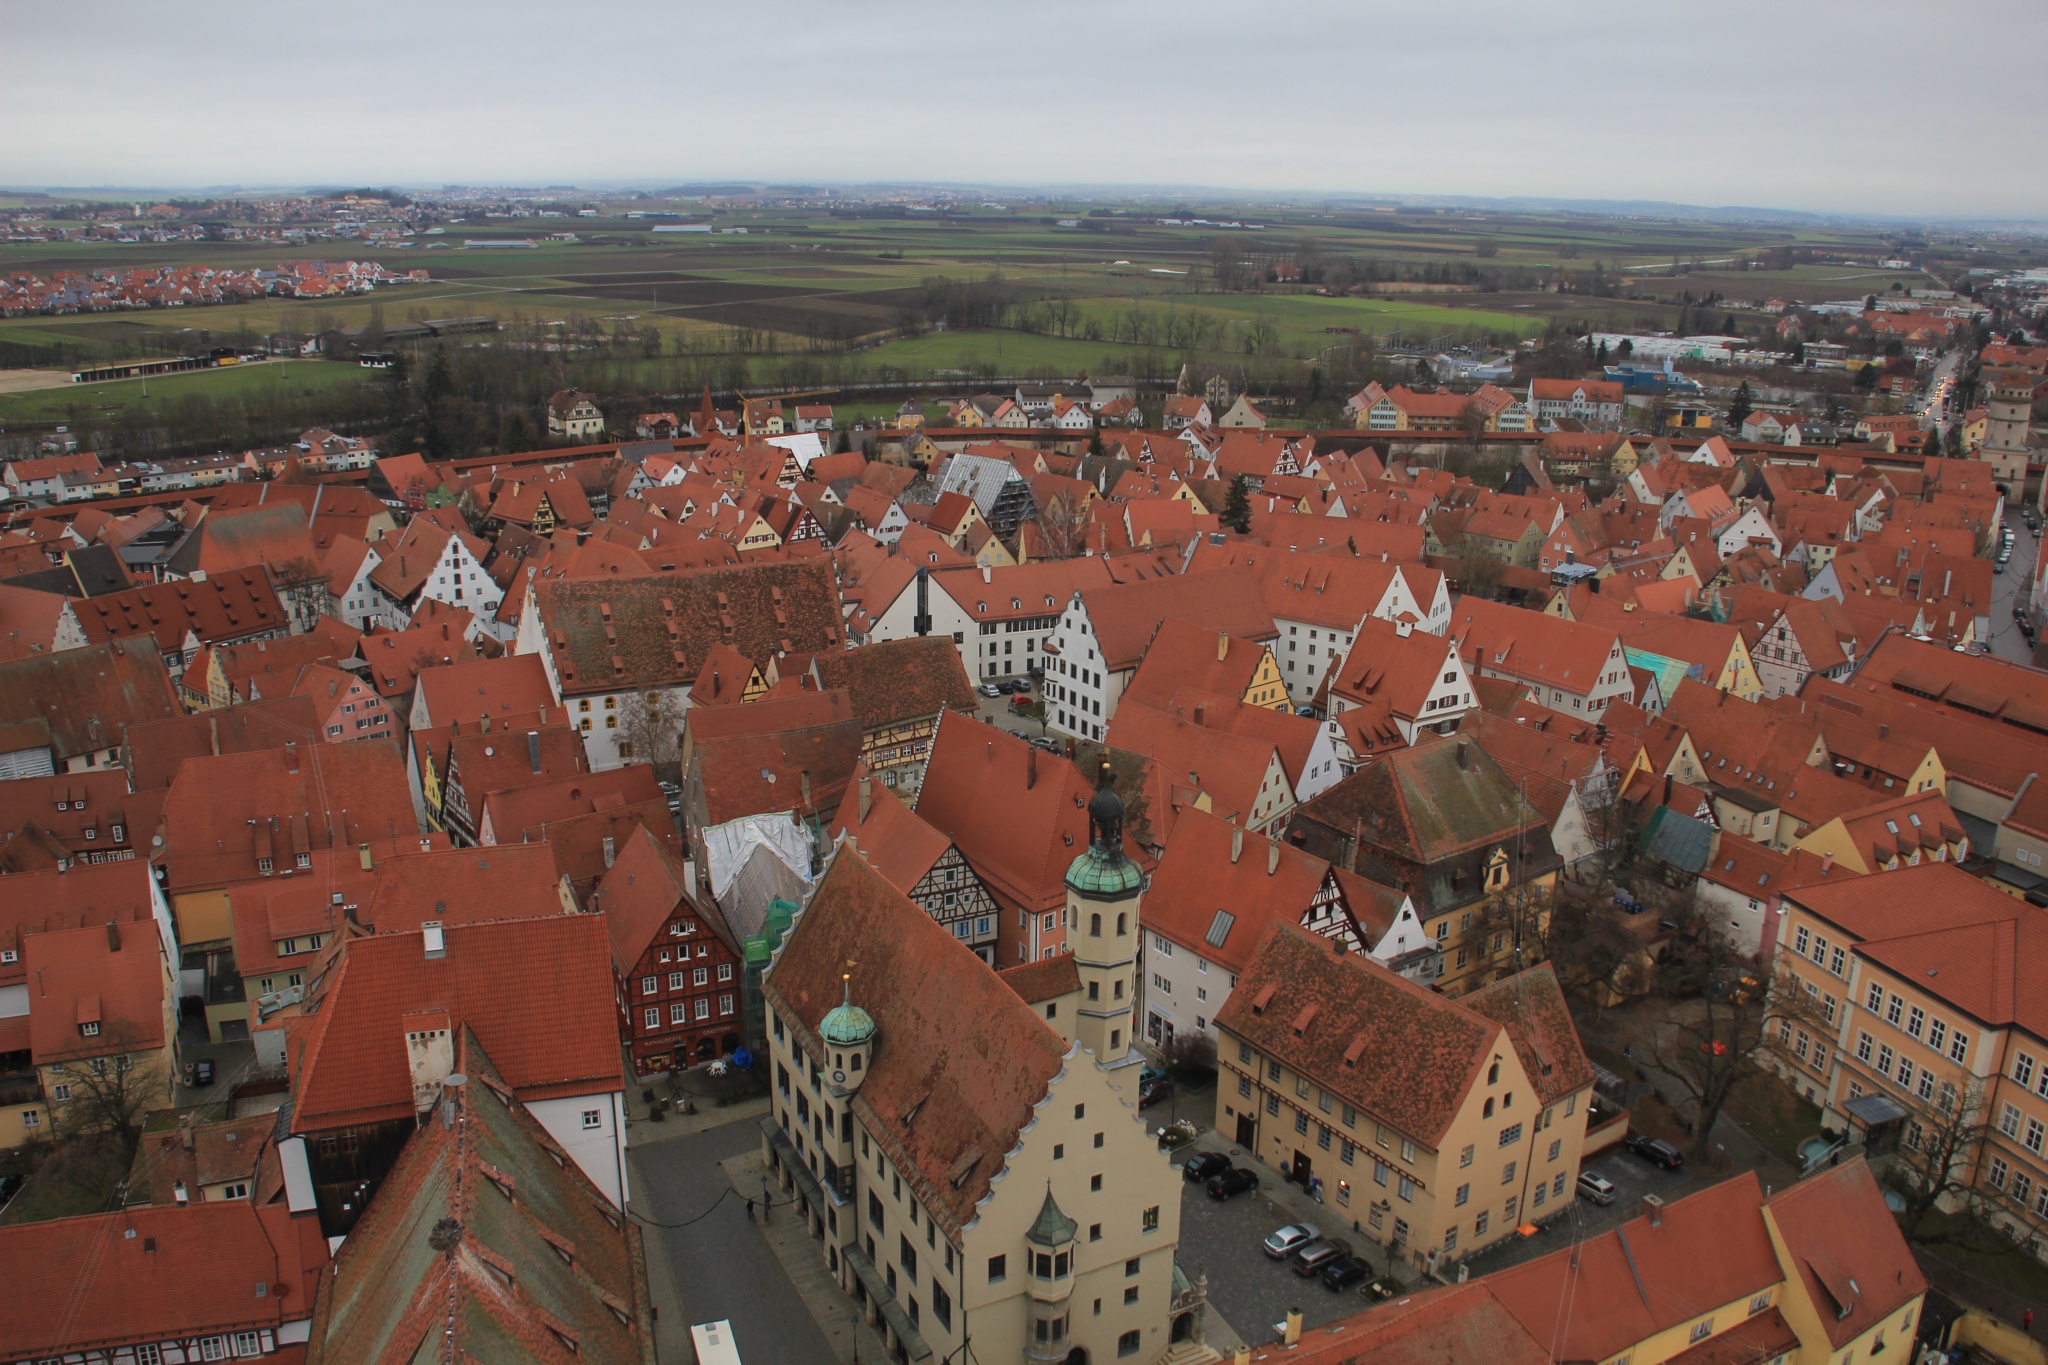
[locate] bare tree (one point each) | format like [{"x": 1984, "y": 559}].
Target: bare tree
[
  {"x": 1727, "y": 1022},
  {"x": 651, "y": 731},
  {"x": 1940, "y": 1164},
  {"x": 111, "y": 1094}
]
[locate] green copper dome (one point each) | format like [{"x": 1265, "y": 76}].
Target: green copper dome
[
  {"x": 1053, "y": 1228},
  {"x": 847, "y": 1025},
  {"x": 1105, "y": 874}
]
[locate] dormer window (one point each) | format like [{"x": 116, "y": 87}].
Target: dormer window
[{"x": 89, "y": 1029}]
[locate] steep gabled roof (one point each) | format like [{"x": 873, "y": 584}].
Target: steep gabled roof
[
  {"x": 890, "y": 836},
  {"x": 1846, "y": 1249},
  {"x": 1403, "y": 1054},
  {"x": 486, "y": 1242},
  {"x": 1018, "y": 816},
  {"x": 960, "y": 1061},
  {"x": 1217, "y": 904},
  {"x": 1127, "y": 616}
]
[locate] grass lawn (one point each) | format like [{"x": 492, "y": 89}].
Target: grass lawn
[
  {"x": 1010, "y": 353},
  {"x": 271, "y": 377}
]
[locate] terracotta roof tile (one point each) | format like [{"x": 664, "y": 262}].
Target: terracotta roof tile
[
  {"x": 959, "y": 1059},
  {"x": 1846, "y": 1248},
  {"x": 1421, "y": 1051},
  {"x": 539, "y": 991},
  {"x": 150, "y": 1274}
]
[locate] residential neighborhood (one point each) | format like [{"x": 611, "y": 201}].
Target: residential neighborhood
[{"x": 743, "y": 760}]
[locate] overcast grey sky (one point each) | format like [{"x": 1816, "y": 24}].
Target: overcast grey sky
[{"x": 1883, "y": 106}]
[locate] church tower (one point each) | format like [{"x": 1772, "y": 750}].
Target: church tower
[{"x": 1103, "y": 890}]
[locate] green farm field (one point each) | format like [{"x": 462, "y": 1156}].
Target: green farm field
[
  {"x": 271, "y": 380},
  {"x": 1134, "y": 295}
]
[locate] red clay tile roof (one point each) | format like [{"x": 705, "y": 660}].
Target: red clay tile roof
[
  {"x": 1951, "y": 934},
  {"x": 88, "y": 697},
  {"x": 514, "y": 812},
  {"x": 152, "y": 1274},
  {"x": 512, "y": 689},
  {"x": 1403, "y": 1054},
  {"x": 1185, "y": 654},
  {"x": 1628, "y": 1284},
  {"x": 230, "y": 605},
  {"x": 1018, "y": 816},
  {"x": 793, "y": 752},
  {"x": 156, "y": 748},
  {"x": 81, "y": 978},
  {"x": 1218, "y": 907},
  {"x": 1846, "y": 1248},
  {"x": 960, "y": 1061},
  {"x": 1231, "y": 768},
  {"x": 890, "y": 837},
  {"x": 1047, "y": 978},
  {"x": 340, "y": 795},
  {"x": 613, "y": 635},
  {"x": 537, "y": 1265},
  {"x": 539, "y": 991},
  {"x": 899, "y": 680},
  {"x": 1531, "y": 1007},
  {"x": 1447, "y": 1325},
  {"x": 462, "y": 886},
  {"x": 640, "y": 892},
  {"x": 88, "y": 895},
  {"x": 1126, "y": 616},
  {"x": 579, "y": 843},
  {"x": 1530, "y": 645}
]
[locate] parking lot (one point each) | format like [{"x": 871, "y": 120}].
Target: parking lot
[{"x": 1249, "y": 1289}]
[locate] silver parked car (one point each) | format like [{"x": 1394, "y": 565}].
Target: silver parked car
[{"x": 1290, "y": 1239}]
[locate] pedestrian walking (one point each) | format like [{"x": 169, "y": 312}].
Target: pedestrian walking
[
  {"x": 750, "y": 1208},
  {"x": 2027, "y": 1322}
]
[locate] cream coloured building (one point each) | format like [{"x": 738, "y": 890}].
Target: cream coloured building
[
  {"x": 1438, "y": 1125},
  {"x": 961, "y": 1158}
]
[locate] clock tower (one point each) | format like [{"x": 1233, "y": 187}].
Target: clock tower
[
  {"x": 849, "y": 1035},
  {"x": 1103, "y": 890}
]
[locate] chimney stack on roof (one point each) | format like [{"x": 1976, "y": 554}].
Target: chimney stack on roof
[
  {"x": 611, "y": 850},
  {"x": 1653, "y": 1208},
  {"x": 1272, "y": 856},
  {"x": 1236, "y": 842},
  {"x": 533, "y": 749},
  {"x": 432, "y": 940},
  {"x": 1222, "y": 645},
  {"x": 291, "y": 756}
]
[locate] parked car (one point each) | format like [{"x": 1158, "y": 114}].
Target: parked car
[
  {"x": 202, "y": 1072},
  {"x": 1597, "y": 1188},
  {"x": 1020, "y": 702},
  {"x": 1151, "y": 1092},
  {"x": 1344, "y": 1271},
  {"x": 1149, "y": 1074},
  {"x": 8, "y": 1185},
  {"x": 1202, "y": 1165},
  {"x": 1234, "y": 1181},
  {"x": 991, "y": 690},
  {"x": 1286, "y": 1241},
  {"x": 1655, "y": 1150},
  {"x": 1318, "y": 1254}
]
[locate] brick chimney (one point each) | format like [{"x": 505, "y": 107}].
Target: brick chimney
[
  {"x": 1236, "y": 843},
  {"x": 291, "y": 756},
  {"x": 867, "y": 796}
]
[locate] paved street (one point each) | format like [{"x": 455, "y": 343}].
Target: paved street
[
  {"x": 721, "y": 1264},
  {"x": 2011, "y": 585}
]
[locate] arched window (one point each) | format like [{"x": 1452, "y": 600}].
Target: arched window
[
  {"x": 1121, "y": 920},
  {"x": 1095, "y": 926},
  {"x": 1493, "y": 1074},
  {"x": 856, "y": 1061}
]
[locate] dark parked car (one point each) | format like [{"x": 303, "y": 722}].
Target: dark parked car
[
  {"x": 1655, "y": 1150},
  {"x": 1234, "y": 1181},
  {"x": 8, "y": 1185},
  {"x": 1151, "y": 1092},
  {"x": 1318, "y": 1254},
  {"x": 1344, "y": 1272},
  {"x": 202, "y": 1071},
  {"x": 1202, "y": 1165},
  {"x": 1151, "y": 1074}
]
